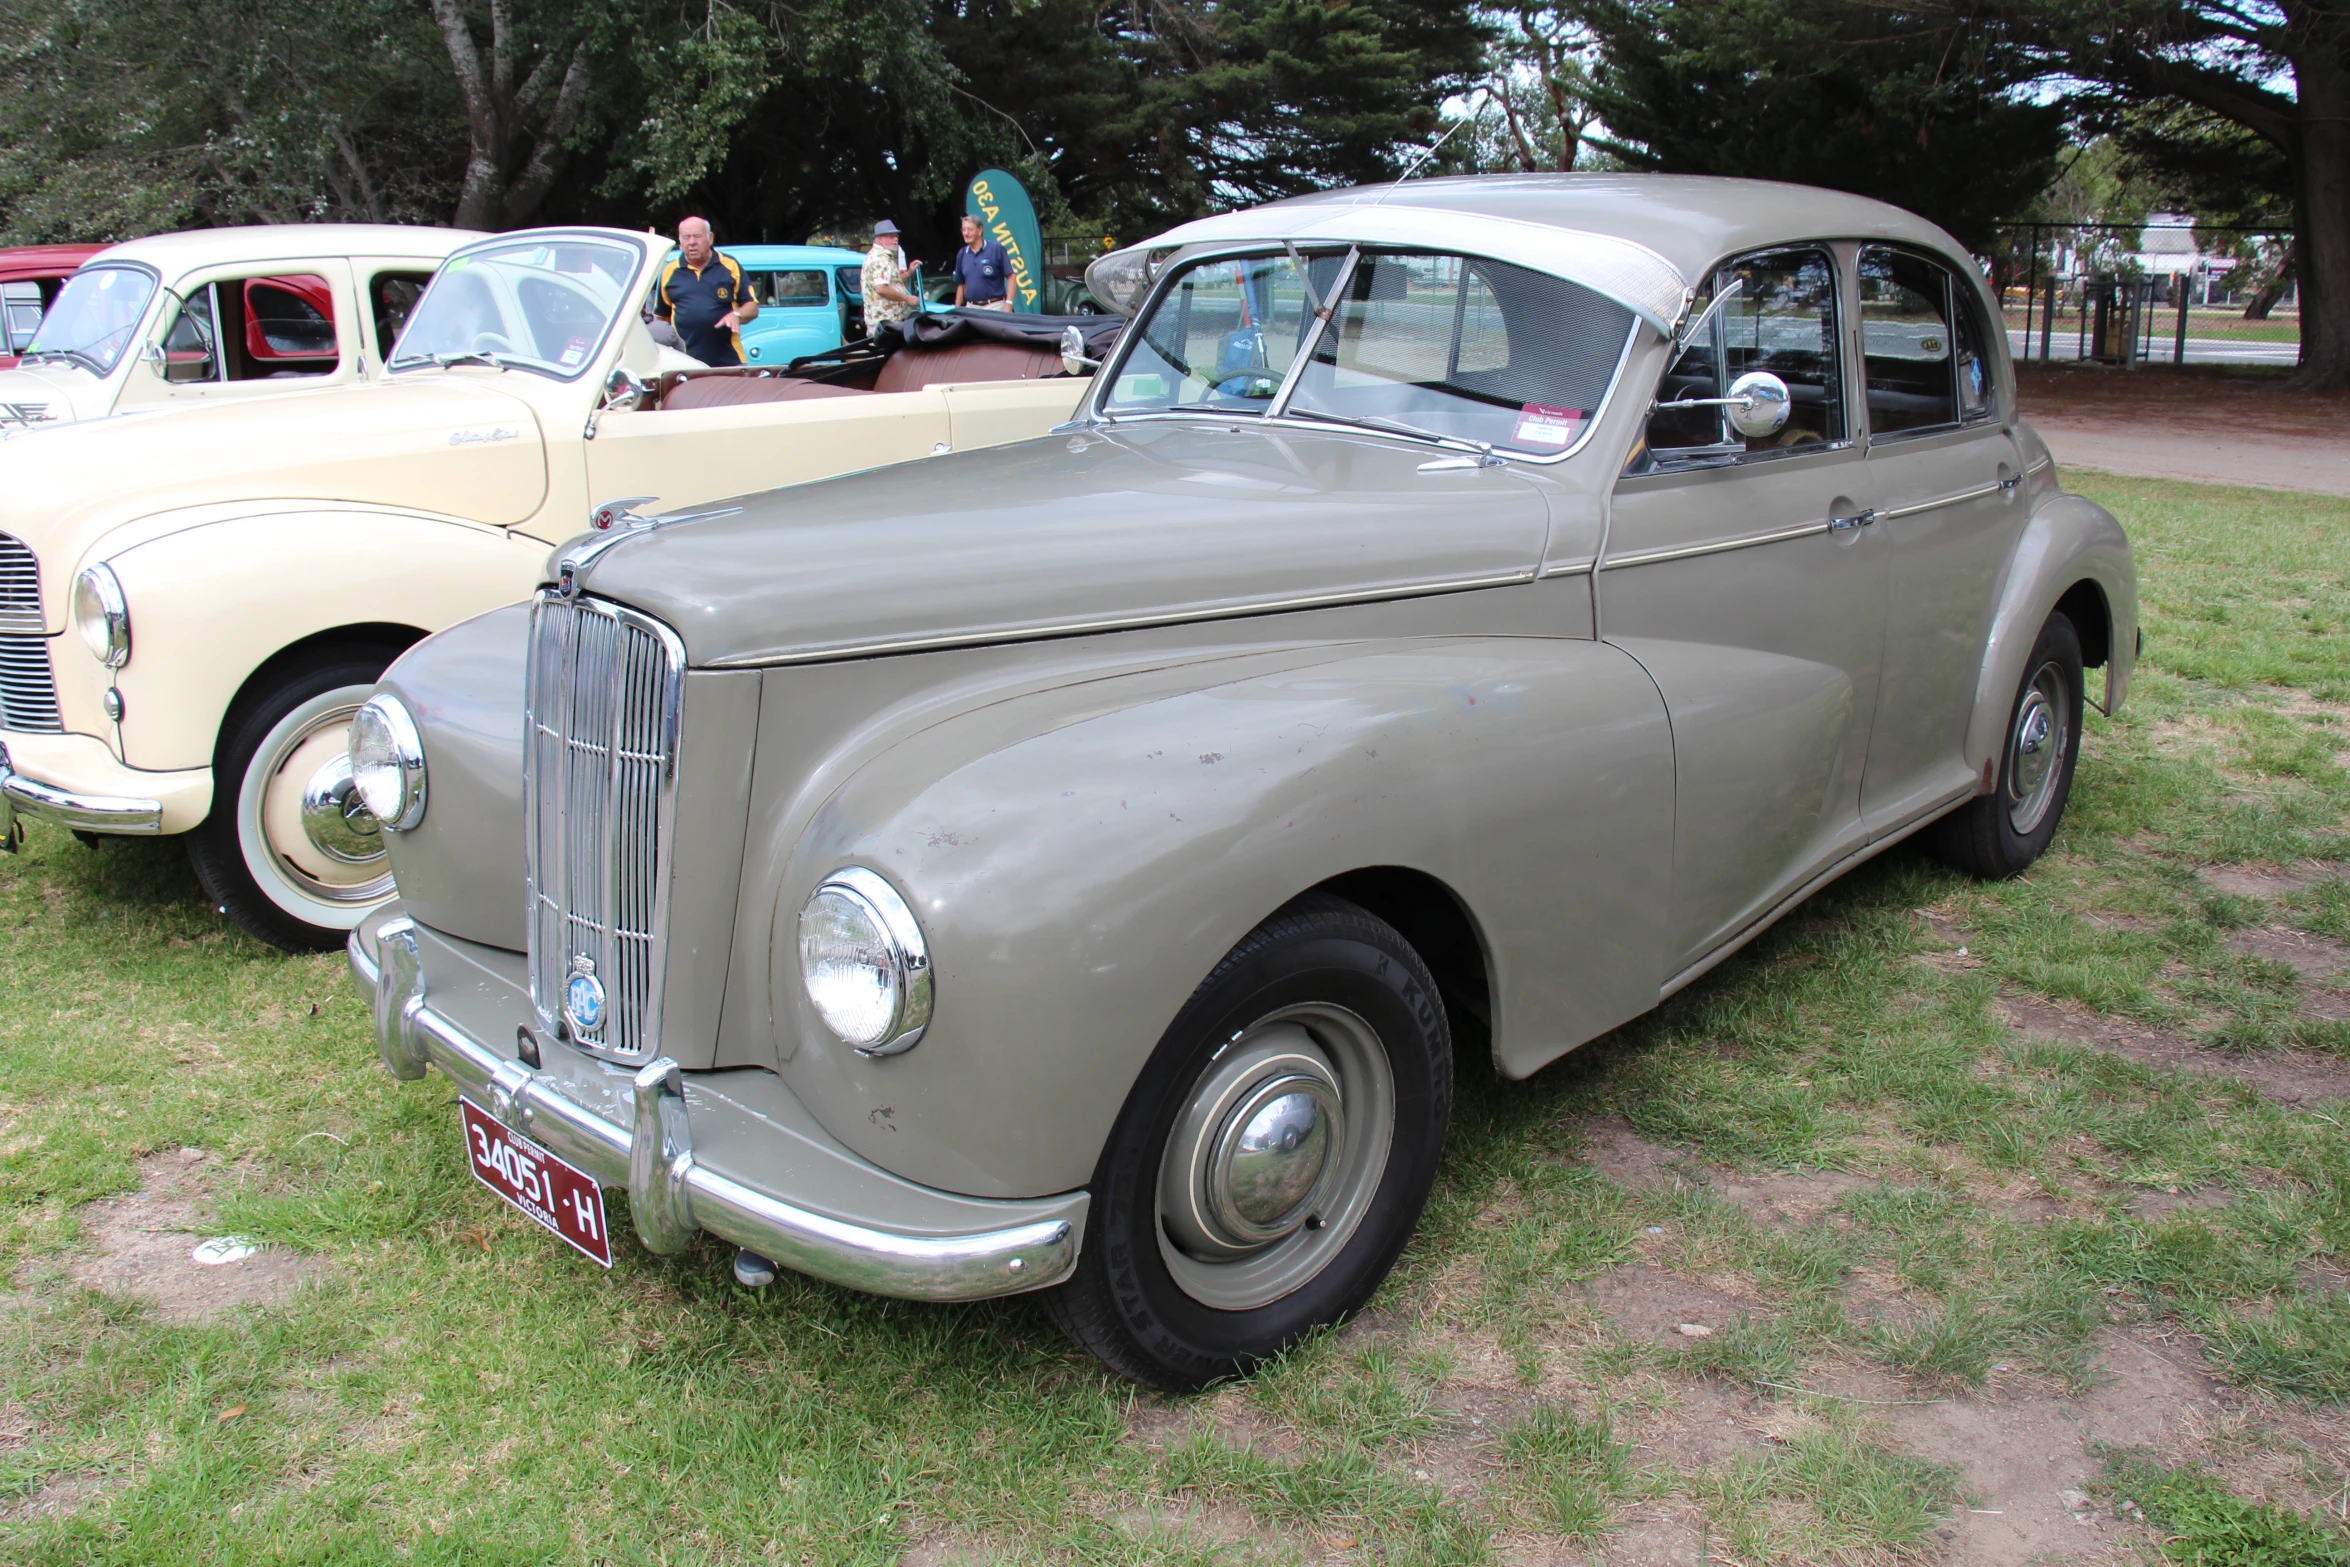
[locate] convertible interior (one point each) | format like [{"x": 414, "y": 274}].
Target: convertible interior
[{"x": 960, "y": 347}]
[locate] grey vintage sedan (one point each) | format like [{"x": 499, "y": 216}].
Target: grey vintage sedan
[{"x": 1461, "y": 614}]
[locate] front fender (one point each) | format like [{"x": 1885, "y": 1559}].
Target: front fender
[
  {"x": 1081, "y": 858},
  {"x": 211, "y": 603},
  {"x": 2069, "y": 541}
]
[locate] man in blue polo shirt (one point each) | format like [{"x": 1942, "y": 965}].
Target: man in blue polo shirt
[
  {"x": 702, "y": 294},
  {"x": 983, "y": 273}
]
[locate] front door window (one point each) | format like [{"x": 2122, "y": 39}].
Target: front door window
[
  {"x": 1781, "y": 319},
  {"x": 191, "y": 344}
]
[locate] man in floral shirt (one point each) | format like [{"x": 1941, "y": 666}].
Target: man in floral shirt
[{"x": 888, "y": 297}]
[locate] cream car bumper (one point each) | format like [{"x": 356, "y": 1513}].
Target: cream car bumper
[
  {"x": 75, "y": 781},
  {"x": 729, "y": 1152}
]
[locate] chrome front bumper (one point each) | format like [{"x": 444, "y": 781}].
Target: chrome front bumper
[
  {"x": 671, "y": 1193},
  {"x": 22, "y": 796}
]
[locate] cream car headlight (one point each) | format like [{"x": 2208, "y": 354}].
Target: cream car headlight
[
  {"x": 864, "y": 962},
  {"x": 387, "y": 762},
  {"x": 103, "y": 616}
]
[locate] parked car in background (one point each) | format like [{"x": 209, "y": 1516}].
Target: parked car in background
[
  {"x": 214, "y": 315},
  {"x": 809, "y": 300},
  {"x": 194, "y": 602},
  {"x": 30, "y": 277},
  {"x": 1462, "y": 614}
]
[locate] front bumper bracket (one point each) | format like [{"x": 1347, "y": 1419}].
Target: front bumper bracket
[{"x": 671, "y": 1194}]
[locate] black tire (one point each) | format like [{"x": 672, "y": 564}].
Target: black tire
[
  {"x": 1992, "y": 836},
  {"x": 1125, "y": 1304},
  {"x": 222, "y": 849}
]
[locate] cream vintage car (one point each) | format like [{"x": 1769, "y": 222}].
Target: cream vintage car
[
  {"x": 1463, "y": 614},
  {"x": 222, "y": 315},
  {"x": 193, "y": 602}
]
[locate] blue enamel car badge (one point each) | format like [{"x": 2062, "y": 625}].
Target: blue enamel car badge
[{"x": 583, "y": 996}]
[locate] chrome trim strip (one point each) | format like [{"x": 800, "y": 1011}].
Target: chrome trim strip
[
  {"x": 1581, "y": 568},
  {"x": 1088, "y": 628},
  {"x": 979, "y": 1266},
  {"x": 124, "y": 814},
  {"x": 1689, "y": 552},
  {"x": 1975, "y": 494}
]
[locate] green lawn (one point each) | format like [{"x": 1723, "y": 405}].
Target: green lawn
[
  {"x": 2228, "y": 324},
  {"x": 1883, "y": 1205}
]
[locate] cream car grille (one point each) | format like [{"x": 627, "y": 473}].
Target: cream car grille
[
  {"x": 28, "y": 690},
  {"x": 600, "y": 762}
]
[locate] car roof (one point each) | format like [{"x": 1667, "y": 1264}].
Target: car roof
[
  {"x": 43, "y": 261},
  {"x": 273, "y": 242},
  {"x": 1641, "y": 238}
]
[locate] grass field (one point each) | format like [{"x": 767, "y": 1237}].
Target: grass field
[{"x": 1948, "y": 1222}]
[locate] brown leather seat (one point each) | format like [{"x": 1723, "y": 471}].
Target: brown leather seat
[
  {"x": 909, "y": 370},
  {"x": 729, "y": 391}
]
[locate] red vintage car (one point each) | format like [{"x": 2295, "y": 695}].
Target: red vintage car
[{"x": 29, "y": 278}]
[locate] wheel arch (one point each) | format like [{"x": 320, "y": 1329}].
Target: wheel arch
[
  {"x": 2073, "y": 556},
  {"x": 391, "y": 638},
  {"x": 1439, "y": 925}
]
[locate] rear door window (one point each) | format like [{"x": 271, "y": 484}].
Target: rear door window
[
  {"x": 797, "y": 288},
  {"x": 1907, "y": 342}
]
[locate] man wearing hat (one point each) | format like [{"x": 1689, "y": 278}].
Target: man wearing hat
[{"x": 887, "y": 298}]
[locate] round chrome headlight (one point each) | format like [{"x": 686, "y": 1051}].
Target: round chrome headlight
[
  {"x": 103, "y": 616},
  {"x": 864, "y": 962},
  {"x": 387, "y": 762}
]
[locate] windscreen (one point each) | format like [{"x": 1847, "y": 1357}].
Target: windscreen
[
  {"x": 95, "y": 317},
  {"x": 1470, "y": 349},
  {"x": 1222, "y": 336},
  {"x": 537, "y": 304}
]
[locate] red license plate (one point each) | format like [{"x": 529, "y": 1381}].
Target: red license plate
[{"x": 559, "y": 1196}]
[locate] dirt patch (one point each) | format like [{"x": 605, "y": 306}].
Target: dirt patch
[
  {"x": 1649, "y": 1305},
  {"x": 2315, "y": 959},
  {"x": 2162, "y": 1204},
  {"x": 1707, "y": 1423},
  {"x": 1788, "y": 1198},
  {"x": 1660, "y": 1534},
  {"x": 2267, "y": 882},
  {"x": 1611, "y": 1147},
  {"x": 2029, "y": 1457},
  {"x": 141, "y": 1245},
  {"x": 2289, "y": 1077},
  {"x": 2190, "y": 422}
]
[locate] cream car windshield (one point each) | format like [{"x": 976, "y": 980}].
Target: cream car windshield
[
  {"x": 95, "y": 317},
  {"x": 1465, "y": 349},
  {"x": 542, "y": 304}
]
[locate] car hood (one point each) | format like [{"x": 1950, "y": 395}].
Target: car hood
[
  {"x": 33, "y": 397},
  {"x": 442, "y": 446},
  {"x": 1142, "y": 524}
]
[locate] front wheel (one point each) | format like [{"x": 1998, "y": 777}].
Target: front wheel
[
  {"x": 2001, "y": 833},
  {"x": 289, "y": 853},
  {"x": 1273, "y": 1157}
]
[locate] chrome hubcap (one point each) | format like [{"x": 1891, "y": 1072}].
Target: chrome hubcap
[
  {"x": 1275, "y": 1158},
  {"x": 335, "y": 819},
  {"x": 2036, "y": 748}
]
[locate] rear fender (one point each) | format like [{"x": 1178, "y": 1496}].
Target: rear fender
[
  {"x": 1081, "y": 858},
  {"x": 2070, "y": 541}
]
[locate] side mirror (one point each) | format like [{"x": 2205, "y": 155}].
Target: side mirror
[
  {"x": 624, "y": 388},
  {"x": 1758, "y": 404},
  {"x": 1073, "y": 357}
]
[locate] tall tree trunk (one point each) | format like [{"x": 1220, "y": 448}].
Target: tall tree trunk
[
  {"x": 2264, "y": 298},
  {"x": 509, "y": 167},
  {"x": 2323, "y": 79}
]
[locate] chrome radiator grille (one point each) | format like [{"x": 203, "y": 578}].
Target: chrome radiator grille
[
  {"x": 599, "y": 764},
  {"x": 28, "y": 689}
]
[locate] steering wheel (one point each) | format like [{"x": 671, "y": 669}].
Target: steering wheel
[{"x": 491, "y": 343}]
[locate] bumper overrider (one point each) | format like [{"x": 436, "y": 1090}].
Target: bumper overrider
[{"x": 701, "y": 1151}]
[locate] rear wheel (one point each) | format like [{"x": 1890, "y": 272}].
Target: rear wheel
[
  {"x": 289, "y": 853},
  {"x": 1273, "y": 1157},
  {"x": 2001, "y": 833}
]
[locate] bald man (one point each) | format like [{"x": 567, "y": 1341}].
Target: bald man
[{"x": 702, "y": 294}]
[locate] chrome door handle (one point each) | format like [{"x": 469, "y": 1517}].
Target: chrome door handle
[
  {"x": 2008, "y": 482},
  {"x": 1859, "y": 519}
]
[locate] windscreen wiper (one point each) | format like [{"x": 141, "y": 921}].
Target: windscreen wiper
[{"x": 444, "y": 361}]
